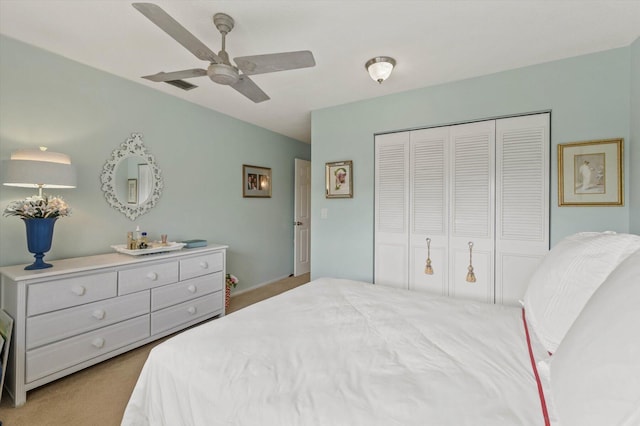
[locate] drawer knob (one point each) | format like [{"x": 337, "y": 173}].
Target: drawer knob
[
  {"x": 79, "y": 290},
  {"x": 98, "y": 342},
  {"x": 152, "y": 276},
  {"x": 204, "y": 265},
  {"x": 98, "y": 314},
  {"x": 192, "y": 288},
  {"x": 192, "y": 310}
]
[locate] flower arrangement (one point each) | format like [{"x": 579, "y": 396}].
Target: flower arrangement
[
  {"x": 38, "y": 207},
  {"x": 341, "y": 175},
  {"x": 232, "y": 280}
]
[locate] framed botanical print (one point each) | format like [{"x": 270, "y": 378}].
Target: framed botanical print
[
  {"x": 339, "y": 179},
  {"x": 256, "y": 182},
  {"x": 590, "y": 173}
]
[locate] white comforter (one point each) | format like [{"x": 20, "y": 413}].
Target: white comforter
[{"x": 338, "y": 352}]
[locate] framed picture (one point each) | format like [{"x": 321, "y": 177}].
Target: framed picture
[
  {"x": 590, "y": 173},
  {"x": 132, "y": 191},
  {"x": 6, "y": 327},
  {"x": 339, "y": 179},
  {"x": 256, "y": 181},
  {"x": 145, "y": 182}
]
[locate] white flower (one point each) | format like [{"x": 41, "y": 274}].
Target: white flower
[{"x": 38, "y": 207}]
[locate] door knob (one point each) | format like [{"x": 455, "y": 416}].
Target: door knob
[{"x": 297, "y": 223}]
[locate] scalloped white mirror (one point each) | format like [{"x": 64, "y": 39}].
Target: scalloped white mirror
[{"x": 131, "y": 180}]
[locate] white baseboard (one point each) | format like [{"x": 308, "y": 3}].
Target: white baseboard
[{"x": 235, "y": 293}]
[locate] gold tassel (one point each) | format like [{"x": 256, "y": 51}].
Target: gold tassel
[
  {"x": 471, "y": 277},
  {"x": 428, "y": 269}
]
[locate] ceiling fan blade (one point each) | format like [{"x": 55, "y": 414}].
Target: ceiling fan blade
[
  {"x": 260, "y": 64},
  {"x": 176, "y": 75},
  {"x": 247, "y": 87},
  {"x": 176, "y": 31}
]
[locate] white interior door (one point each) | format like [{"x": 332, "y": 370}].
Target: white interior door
[
  {"x": 472, "y": 210},
  {"x": 302, "y": 218},
  {"x": 391, "y": 210},
  {"x": 522, "y": 202},
  {"x": 429, "y": 207}
]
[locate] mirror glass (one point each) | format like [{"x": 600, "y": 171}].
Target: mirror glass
[{"x": 131, "y": 180}]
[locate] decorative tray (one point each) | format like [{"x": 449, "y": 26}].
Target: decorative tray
[{"x": 121, "y": 248}]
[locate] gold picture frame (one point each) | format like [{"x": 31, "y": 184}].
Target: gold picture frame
[
  {"x": 591, "y": 173},
  {"x": 256, "y": 182},
  {"x": 339, "y": 179}
]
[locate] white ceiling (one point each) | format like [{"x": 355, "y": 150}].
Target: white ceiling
[{"x": 432, "y": 41}]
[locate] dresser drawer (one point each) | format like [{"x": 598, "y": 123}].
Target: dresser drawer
[
  {"x": 161, "y": 297},
  {"x": 52, "y": 358},
  {"x": 172, "y": 317},
  {"x": 54, "y": 326},
  {"x": 201, "y": 265},
  {"x": 68, "y": 292},
  {"x": 147, "y": 276}
]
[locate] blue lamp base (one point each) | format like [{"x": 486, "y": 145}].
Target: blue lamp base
[
  {"x": 39, "y": 263},
  {"x": 39, "y": 238}
]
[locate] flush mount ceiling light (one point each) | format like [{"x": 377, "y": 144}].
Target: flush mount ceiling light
[{"x": 380, "y": 67}]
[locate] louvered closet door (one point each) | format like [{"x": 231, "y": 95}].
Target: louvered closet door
[
  {"x": 522, "y": 202},
  {"x": 472, "y": 209},
  {"x": 391, "y": 209},
  {"x": 429, "y": 212}
]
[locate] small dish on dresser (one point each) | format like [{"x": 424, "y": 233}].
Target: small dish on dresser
[{"x": 171, "y": 246}]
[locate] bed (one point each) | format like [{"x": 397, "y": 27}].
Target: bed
[{"x": 342, "y": 352}]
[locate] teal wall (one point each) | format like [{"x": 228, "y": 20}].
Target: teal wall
[
  {"x": 634, "y": 169},
  {"x": 589, "y": 97},
  {"x": 48, "y": 100}
]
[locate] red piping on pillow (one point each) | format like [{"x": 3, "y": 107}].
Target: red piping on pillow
[{"x": 545, "y": 413}]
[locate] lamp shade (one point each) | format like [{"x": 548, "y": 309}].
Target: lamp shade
[
  {"x": 35, "y": 174},
  {"x": 38, "y": 169},
  {"x": 380, "y": 67}
]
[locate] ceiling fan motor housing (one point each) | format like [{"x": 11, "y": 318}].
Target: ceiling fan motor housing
[{"x": 223, "y": 74}]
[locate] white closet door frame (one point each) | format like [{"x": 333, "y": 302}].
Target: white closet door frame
[
  {"x": 391, "y": 218},
  {"x": 522, "y": 201},
  {"x": 489, "y": 183}
]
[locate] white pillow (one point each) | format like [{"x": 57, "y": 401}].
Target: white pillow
[
  {"x": 595, "y": 374},
  {"x": 566, "y": 278}
]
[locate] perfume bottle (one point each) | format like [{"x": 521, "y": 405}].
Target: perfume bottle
[
  {"x": 131, "y": 243},
  {"x": 144, "y": 242}
]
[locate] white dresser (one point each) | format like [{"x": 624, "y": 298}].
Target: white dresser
[{"x": 85, "y": 310}]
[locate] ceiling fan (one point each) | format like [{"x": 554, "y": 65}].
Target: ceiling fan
[{"x": 220, "y": 69}]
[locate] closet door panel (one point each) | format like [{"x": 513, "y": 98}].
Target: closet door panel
[
  {"x": 390, "y": 268},
  {"x": 472, "y": 206},
  {"x": 429, "y": 212},
  {"x": 522, "y": 202},
  {"x": 513, "y": 271},
  {"x": 472, "y": 176},
  {"x": 482, "y": 288},
  {"x": 436, "y": 282},
  {"x": 391, "y": 209}
]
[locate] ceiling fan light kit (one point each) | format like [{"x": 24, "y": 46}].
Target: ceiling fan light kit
[
  {"x": 220, "y": 69},
  {"x": 223, "y": 74},
  {"x": 380, "y": 67}
]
